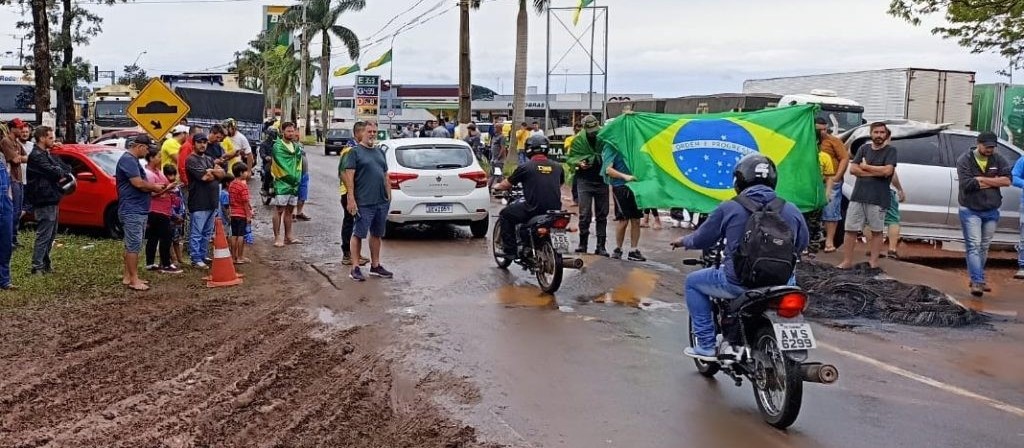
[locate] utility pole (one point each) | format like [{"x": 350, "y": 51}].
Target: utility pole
[
  {"x": 304, "y": 101},
  {"x": 465, "y": 82}
]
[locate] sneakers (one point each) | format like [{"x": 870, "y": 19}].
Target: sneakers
[
  {"x": 617, "y": 253},
  {"x": 635, "y": 255},
  {"x": 153, "y": 267},
  {"x": 172, "y": 269},
  {"x": 600, "y": 251},
  {"x": 379, "y": 271},
  {"x": 977, "y": 289},
  {"x": 702, "y": 354},
  {"x": 1019, "y": 275},
  {"x": 200, "y": 265},
  {"x": 356, "y": 274}
]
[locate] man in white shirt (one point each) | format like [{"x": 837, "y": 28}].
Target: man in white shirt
[
  {"x": 239, "y": 142},
  {"x": 535, "y": 130}
]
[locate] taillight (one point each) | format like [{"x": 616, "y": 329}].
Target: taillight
[
  {"x": 791, "y": 305},
  {"x": 560, "y": 223},
  {"x": 543, "y": 231},
  {"x": 479, "y": 177},
  {"x": 396, "y": 179}
]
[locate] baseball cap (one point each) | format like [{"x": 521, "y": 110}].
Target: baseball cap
[
  {"x": 144, "y": 140},
  {"x": 590, "y": 123},
  {"x": 179, "y": 129},
  {"x": 17, "y": 124},
  {"x": 989, "y": 139},
  {"x": 200, "y": 137}
]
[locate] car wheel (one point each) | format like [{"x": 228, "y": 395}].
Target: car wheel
[
  {"x": 479, "y": 228},
  {"x": 327, "y": 152},
  {"x": 112, "y": 223}
]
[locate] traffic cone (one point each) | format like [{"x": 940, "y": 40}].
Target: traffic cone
[{"x": 222, "y": 273}]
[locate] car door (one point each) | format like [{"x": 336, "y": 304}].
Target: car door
[
  {"x": 1009, "y": 216},
  {"x": 80, "y": 208},
  {"x": 927, "y": 180}
]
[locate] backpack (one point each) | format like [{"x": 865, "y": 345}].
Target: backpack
[{"x": 767, "y": 252}]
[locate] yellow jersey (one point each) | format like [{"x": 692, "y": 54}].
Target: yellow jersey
[{"x": 168, "y": 152}]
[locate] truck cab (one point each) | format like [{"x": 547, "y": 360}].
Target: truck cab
[
  {"x": 108, "y": 109},
  {"x": 842, "y": 114}
]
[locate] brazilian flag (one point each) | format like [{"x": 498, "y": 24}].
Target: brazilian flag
[{"x": 687, "y": 160}]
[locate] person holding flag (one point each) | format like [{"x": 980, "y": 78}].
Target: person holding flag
[
  {"x": 286, "y": 167},
  {"x": 585, "y": 158}
]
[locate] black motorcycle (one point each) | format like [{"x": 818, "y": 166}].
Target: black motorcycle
[
  {"x": 767, "y": 343},
  {"x": 541, "y": 245}
]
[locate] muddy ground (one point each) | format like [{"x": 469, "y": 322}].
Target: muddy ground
[{"x": 246, "y": 366}]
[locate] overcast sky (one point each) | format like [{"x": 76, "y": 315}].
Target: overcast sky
[{"x": 664, "y": 47}]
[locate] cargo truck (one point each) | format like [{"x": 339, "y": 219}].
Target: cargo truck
[
  {"x": 108, "y": 109},
  {"x": 211, "y": 102},
  {"x": 18, "y": 96},
  {"x": 999, "y": 108},
  {"x": 926, "y": 95},
  {"x": 697, "y": 104}
]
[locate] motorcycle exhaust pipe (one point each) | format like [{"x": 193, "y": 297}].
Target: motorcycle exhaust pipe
[
  {"x": 815, "y": 372},
  {"x": 572, "y": 263}
]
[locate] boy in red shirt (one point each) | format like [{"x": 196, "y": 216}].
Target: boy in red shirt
[{"x": 240, "y": 210}]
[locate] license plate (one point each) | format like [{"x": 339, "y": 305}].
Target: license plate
[
  {"x": 439, "y": 208},
  {"x": 795, "y": 336},
  {"x": 497, "y": 171},
  {"x": 561, "y": 242}
]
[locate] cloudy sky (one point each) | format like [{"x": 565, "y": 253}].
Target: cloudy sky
[{"x": 664, "y": 47}]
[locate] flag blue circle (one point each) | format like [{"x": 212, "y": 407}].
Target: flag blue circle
[{"x": 706, "y": 151}]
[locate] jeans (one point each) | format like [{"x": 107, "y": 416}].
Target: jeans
[
  {"x": 512, "y": 215},
  {"x": 593, "y": 204},
  {"x": 348, "y": 223},
  {"x": 979, "y": 227},
  {"x": 700, "y": 286},
  {"x": 18, "y": 197},
  {"x": 200, "y": 234},
  {"x": 46, "y": 232},
  {"x": 522, "y": 158},
  {"x": 833, "y": 212},
  {"x": 6, "y": 239},
  {"x": 159, "y": 235}
]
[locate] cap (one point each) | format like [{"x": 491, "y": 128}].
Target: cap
[
  {"x": 179, "y": 129},
  {"x": 988, "y": 139},
  {"x": 17, "y": 124},
  {"x": 590, "y": 123},
  {"x": 200, "y": 137},
  {"x": 143, "y": 140}
]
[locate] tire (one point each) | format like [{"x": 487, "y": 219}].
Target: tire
[
  {"x": 779, "y": 412},
  {"x": 706, "y": 369},
  {"x": 327, "y": 152},
  {"x": 549, "y": 261},
  {"x": 112, "y": 223},
  {"x": 479, "y": 228},
  {"x": 503, "y": 263}
]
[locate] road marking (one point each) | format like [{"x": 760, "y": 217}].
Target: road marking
[{"x": 1005, "y": 407}]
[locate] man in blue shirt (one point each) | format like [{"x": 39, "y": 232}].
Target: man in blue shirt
[
  {"x": 6, "y": 226},
  {"x": 133, "y": 198},
  {"x": 627, "y": 213},
  {"x": 1018, "y": 181}
]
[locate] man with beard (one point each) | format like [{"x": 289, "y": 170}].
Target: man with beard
[
  {"x": 874, "y": 167},
  {"x": 204, "y": 176},
  {"x": 586, "y": 159},
  {"x": 13, "y": 147},
  {"x": 982, "y": 173}
]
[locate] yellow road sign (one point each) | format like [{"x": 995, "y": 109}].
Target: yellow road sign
[{"x": 157, "y": 109}]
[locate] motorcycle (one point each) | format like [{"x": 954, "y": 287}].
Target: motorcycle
[
  {"x": 542, "y": 246},
  {"x": 768, "y": 343}
]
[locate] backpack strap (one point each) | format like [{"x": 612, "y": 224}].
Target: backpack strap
[
  {"x": 747, "y": 203},
  {"x": 776, "y": 205}
]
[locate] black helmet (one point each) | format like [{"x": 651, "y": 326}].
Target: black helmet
[
  {"x": 536, "y": 144},
  {"x": 754, "y": 169}
]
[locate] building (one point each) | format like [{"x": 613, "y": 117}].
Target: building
[
  {"x": 411, "y": 103},
  {"x": 566, "y": 109}
]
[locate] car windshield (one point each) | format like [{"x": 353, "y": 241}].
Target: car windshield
[
  {"x": 16, "y": 98},
  {"x": 110, "y": 109},
  {"x": 339, "y": 133},
  {"x": 106, "y": 159},
  {"x": 434, "y": 157}
]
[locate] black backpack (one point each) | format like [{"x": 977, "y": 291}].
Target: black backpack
[{"x": 767, "y": 252}]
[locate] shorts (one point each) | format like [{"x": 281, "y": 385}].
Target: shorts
[
  {"x": 284, "y": 200},
  {"x": 625, "y": 204},
  {"x": 238, "y": 226},
  {"x": 833, "y": 212},
  {"x": 304, "y": 188},
  {"x": 860, "y": 215},
  {"x": 372, "y": 220},
  {"x": 178, "y": 230},
  {"x": 134, "y": 230},
  {"x": 892, "y": 214}
]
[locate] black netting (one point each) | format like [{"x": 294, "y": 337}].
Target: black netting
[{"x": 846, "y": 294}]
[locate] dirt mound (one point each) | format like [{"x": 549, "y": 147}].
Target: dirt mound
[
  {"x": 845, "y": 294},
  {"x": 238, "y": 367}
]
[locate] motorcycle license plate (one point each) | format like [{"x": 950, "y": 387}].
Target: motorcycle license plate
[
  {"x": 439, "y": 208},
  {"x": 795, "y": 336},
  {"x": 560, "y": 241}
]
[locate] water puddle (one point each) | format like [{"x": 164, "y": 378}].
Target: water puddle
[
  {"x": 638, "y": 284},
  {"x": 524, "y": 296}
]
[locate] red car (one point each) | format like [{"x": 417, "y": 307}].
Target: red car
[{"x": 94, "y": 202}]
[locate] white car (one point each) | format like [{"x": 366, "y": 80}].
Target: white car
[{"x": 436, "y": 180}]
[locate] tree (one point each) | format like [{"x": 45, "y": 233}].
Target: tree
[
  {"x": 979, "y": 25},
  {"x": 323, "y": 21},
  {"x": 133, "y": 76}
]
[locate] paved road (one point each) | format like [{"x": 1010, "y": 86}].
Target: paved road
[{"x": 592, "y": 368}]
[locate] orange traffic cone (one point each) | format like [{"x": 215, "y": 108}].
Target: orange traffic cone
[{"x": 222, "y": 273}]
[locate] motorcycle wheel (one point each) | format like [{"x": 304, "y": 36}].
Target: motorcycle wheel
[
  {"x": 549, "y": 268},
  {"x": 777, "y": 385},
  {"x": 502, "y": 262},
  {"x": 707, "y": 369}
]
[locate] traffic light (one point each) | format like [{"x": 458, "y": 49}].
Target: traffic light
[{"x": 385, "y": 85}]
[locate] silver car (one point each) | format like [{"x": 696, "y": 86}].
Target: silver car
[{"x": 927, "y": 172}]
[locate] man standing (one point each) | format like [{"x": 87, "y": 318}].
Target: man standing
[
  {"x": 303, "y": 195},
  {"x": 585, "y": 157},
  {"x": 171, "y": 147},
  {"x": 183, "y": 154},
  {"x": 240, "y": 143},
  {"x": 982, "y": 173},
  {"x": 567, "y": 149},
  {"x": 348, "y": 220},
  {"x": 133, "y": 201},
  {"x": 627, "y": 213},
  {"x": 204, "y": 176},
  {"x": 6, "y": 219},
  {"x": 287, "y": 171},
  {"x": 369, "y": 198},
  {"x": 214, "y": 148},
  {"x": 440, "y": 131},
  {"x": 1018, "y": 181},
  {"x": 874, "y": 166},
  {"x": 535, "y": 129},
  {"x": 13, "y": 149},
  {"x": 833, "y": 212},
  {"x": 46, "y": 175},
  {"x": 521, "y": 135}
]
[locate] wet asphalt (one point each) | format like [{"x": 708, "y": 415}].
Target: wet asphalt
[{"x": 600, "y": 364}]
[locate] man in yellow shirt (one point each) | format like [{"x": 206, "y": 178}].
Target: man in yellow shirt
[
  {"x": 169, "y": 150},
  {"x": 521, "y": 135}
]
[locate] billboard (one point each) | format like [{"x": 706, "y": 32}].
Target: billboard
[{"x": 271, "y": 15}]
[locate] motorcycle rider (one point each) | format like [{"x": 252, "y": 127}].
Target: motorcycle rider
[
  {"x": 542, "y": 181},
  {"x": 755, "y": 177}
]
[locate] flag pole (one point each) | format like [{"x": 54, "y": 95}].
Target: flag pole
[{"x": 391, "y": 77}]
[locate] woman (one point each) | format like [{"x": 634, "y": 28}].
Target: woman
[{"x": 159, "y": 232}]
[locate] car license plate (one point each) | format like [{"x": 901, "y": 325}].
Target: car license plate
[
  {"x": 439, "y": 208},
  {"x": 794, "y": 336},
  {"x": 560, "y": 241}
]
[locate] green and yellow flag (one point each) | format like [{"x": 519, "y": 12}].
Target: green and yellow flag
[
  {"x": 286, "y": 167},
  {"x": 384, "y": 59},
  {"x": 579, "y": 10},
  {"x": 687, "y": 160},
  {"x": 342, "y": 71}
]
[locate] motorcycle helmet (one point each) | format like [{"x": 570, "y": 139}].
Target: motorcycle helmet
[
  {"x": 536, "y": 144},
  {"x": 754, "y": 169}
]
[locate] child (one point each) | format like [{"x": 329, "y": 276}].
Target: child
[
  {"x": 177, "y": 215},
  {"x": 225, "y": 201},
  {"x": 240, "y": 211}
]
